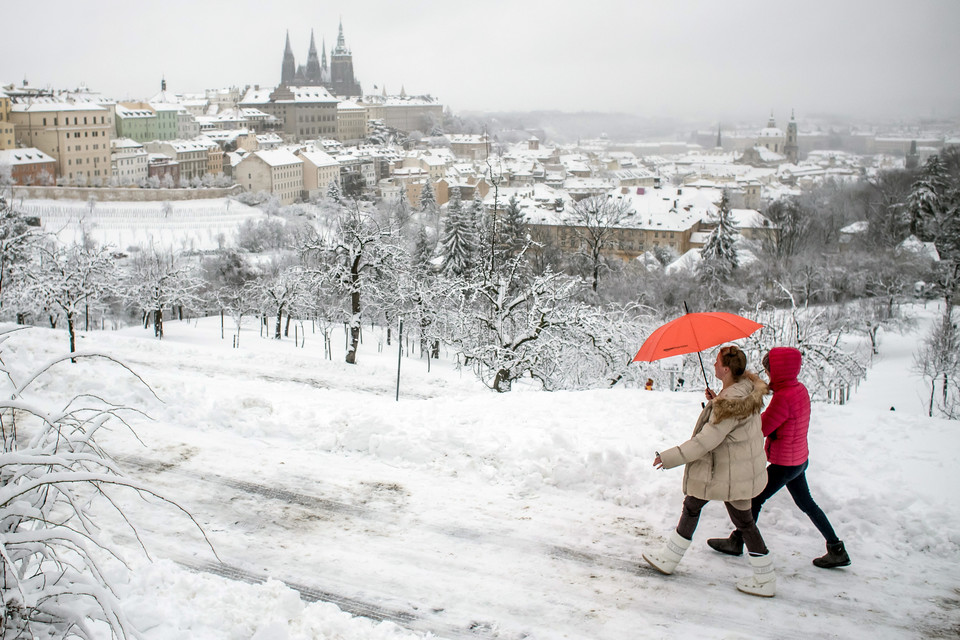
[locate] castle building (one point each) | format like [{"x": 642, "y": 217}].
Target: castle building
[{"x": 338, "y": 78}]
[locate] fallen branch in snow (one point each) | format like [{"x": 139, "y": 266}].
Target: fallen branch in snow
[{"x": 51, "y": 473}]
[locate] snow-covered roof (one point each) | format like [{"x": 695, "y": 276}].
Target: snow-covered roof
[
  {"x": 772, "y": 132},
  {"x": 127, "y": 112},
  {"x": 278, "y": 157},
  {"x": 856, "y": 227},
  {"x": 163, "y": 106},
  {"x": 769, "y": 156},
  {"x": 27, "y": 155},
  {"x": 47, "y": 107},
  {"x": 318, "y": 158},
  {"x": 125, "y": 143},
  {"x": 919, "y": 248},
  {"x": 300, "y": 94},
  {"x": 185, "y": 146},
  {"x": 750, "y": 219}
]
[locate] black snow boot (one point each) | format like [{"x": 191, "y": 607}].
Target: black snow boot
[
  {"x": 732, "y": 546},
  {"x": 836, "y": 557}
]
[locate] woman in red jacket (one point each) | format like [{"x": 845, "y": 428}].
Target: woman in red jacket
[{"x": 785, "y": 424}]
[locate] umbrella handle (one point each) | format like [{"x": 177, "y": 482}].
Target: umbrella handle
[{"x": 702, "y": 370}]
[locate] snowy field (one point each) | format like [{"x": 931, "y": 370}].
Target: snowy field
[
  {"x": 182, "y": 225},
  {"x": 338, "y": 512}
]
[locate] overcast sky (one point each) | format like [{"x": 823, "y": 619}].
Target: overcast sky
[{"x": 709, "y": 59}]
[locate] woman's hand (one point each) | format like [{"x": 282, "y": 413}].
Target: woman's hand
[
  {"x": 657, "y": 462},
  {"x": 710, "y": 394}
]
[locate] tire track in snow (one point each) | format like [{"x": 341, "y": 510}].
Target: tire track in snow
[
  {"x": 239, "y": 370},
  {"x": 415, "y": 621}
]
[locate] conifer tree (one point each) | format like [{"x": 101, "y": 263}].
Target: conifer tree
[
  {"x": 333, "y": 191},
  {"x": 422, "y": 253},
  {"x": 928, "y": 197},
  {"x": 719, "y": 255},
  {"x": 512, "y": 233},
  {"x": 459, "y": 243},
  {"x": 428, "y": 200}
]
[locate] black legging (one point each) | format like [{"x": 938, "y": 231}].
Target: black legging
[{"x": 795, "y": 479}]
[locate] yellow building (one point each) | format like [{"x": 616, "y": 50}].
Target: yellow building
[
  {"x": 351, "y": 122},
  {"x": 76, "y": 135},
  {"x": 192, "y": 156},
  {"x": 7, "y": 132},
  {"x": 319, "y": 170},
  {"x": 276, "y": 171}
]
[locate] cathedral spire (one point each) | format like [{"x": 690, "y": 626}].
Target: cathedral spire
[
  {"x": 312, "y": 75},
  {"x": 289, "y": 67},
  {"x": 341, "y": 48}
]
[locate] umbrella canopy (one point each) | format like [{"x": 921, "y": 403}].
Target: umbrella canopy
[{"x": 694, "y": 332}]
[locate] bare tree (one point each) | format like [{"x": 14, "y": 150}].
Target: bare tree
[
  {"x": 594, "y": 221},
  {"x": 67, "y": 279},
  {"x": 156, "y": 281},
  {"x": 53, "y": 478},
  {"x": 351, "y": 257},
  {"x": 938, "y": 360}
]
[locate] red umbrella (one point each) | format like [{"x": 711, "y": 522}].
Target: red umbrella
[{"x": 694, "y": 332}]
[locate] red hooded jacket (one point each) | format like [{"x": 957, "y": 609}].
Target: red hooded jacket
[{"x": 787, "y": 417}]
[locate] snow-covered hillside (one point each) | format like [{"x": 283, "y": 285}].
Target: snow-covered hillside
[
  {"x": 339, "y": 512},
  {"x": 194, "y": 225}
]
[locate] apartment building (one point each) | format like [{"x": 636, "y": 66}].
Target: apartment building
[
  {"x": 192, "y": 157},
  {"x": 319, "y": 170},
  {"x": 168, "y": 120},
  {"x": 419, "y": 113},
  {"x": 129, "y": 161},
  {"x": 276, "y": 171},
  {"x": 136, "y": 121},
  {"x": 76, "y": 135},
  {"x": 351, "y": 122}
]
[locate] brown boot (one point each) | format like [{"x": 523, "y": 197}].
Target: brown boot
[{"x": 732, "y": 546}]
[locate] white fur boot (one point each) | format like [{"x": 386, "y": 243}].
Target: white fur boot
[
  {"x": 668, "y": 557},
  {"x": 763, "y": 582}
]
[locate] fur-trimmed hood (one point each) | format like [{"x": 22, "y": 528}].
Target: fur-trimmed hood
[{"x": 741, "y": 399}]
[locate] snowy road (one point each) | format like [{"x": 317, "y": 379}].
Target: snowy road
[{"x": 461, "y": 513}]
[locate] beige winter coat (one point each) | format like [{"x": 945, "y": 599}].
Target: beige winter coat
[{"x": 724, "y": 458}]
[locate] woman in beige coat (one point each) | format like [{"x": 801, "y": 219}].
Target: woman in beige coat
[{"x": 723, "y": 460}]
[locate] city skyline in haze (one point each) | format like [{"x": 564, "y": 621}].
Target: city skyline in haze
[{"x": 686, "y": 59}]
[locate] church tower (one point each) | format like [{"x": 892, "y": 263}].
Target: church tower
[
  {"x": 792, "y": 148},
  {"x": 312, "y": 73},
  {"x": 289, "y": 69},
  {"x": 342, "y": 81}
]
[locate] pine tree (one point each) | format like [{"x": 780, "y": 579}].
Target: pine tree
[
  {"x": 459, "y": 243},
  {"x": 428, "y": 200},
  {"x": 719, "y": 253},
  {"x": 422, "y": 254},
  {"x": 927, "y": 198},
  {"x": 333, "y": 191},
  {"x": 512, "y": 233}
]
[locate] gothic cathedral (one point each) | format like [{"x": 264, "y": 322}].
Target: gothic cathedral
[{"x": 337, "y": 79}]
